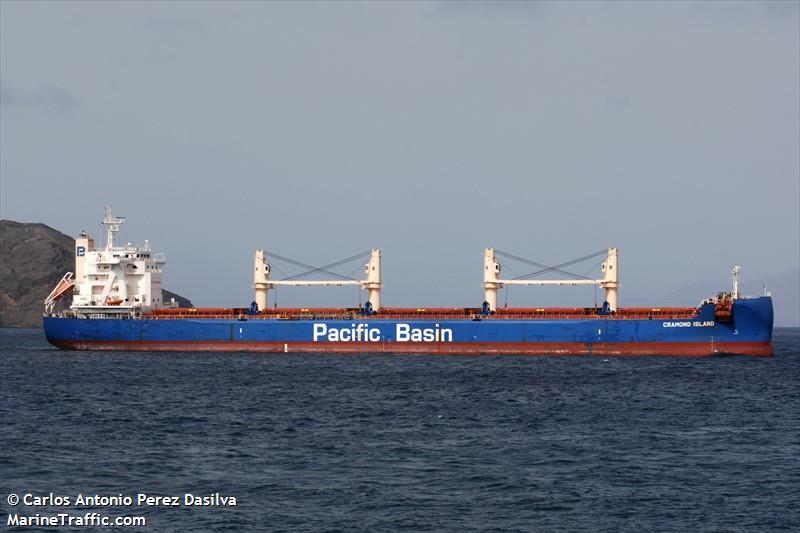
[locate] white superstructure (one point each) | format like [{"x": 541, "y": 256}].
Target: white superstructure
[{"x": 113, "y": 279}]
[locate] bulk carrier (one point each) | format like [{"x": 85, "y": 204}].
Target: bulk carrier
[{"x": 117, "y": 305}]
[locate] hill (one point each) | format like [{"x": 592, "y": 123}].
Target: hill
[{"x": 33, "y": 258}]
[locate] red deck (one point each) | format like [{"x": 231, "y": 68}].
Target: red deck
[{"x": 429, "y": 313}]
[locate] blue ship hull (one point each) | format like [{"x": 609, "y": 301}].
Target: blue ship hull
[{"x": 749, "y": 332}]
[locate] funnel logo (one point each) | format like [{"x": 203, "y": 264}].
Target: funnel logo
[{"x": 81, "y": 251}]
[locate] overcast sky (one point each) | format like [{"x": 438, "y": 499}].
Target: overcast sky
[{"x": 429, "y": 130}]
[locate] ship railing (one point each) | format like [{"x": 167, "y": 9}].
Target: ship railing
[
  {"x": 106, "y": 316},
  {"x": 625, "y": 315}
]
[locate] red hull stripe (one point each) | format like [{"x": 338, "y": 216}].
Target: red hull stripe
[{"x": 692, "y": 349}]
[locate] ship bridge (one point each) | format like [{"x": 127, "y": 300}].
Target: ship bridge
[{"x": 113, "y": 279}]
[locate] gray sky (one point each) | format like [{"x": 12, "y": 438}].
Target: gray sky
[{"x": 430, "y": 130}]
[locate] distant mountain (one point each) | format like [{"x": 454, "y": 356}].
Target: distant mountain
[
  {"x": 784, "y": 287},
  {"x": 33, "y": 258}
]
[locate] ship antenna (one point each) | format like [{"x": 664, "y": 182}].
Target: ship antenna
[
  {"x": 111, "y": 224},
  {"x": 735, "y": 274}
]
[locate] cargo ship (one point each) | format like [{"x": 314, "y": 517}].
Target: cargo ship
[{"x": 117, "y": 305}]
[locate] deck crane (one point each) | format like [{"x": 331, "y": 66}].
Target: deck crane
[
  {"x": 492, "y": 282},
  {"x": 262, "y": 282}
]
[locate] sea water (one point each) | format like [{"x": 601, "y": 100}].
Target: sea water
[{"x": 383, "y": 443}]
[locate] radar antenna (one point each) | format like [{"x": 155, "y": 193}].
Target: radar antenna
[{"x": 111, "y": 224}]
